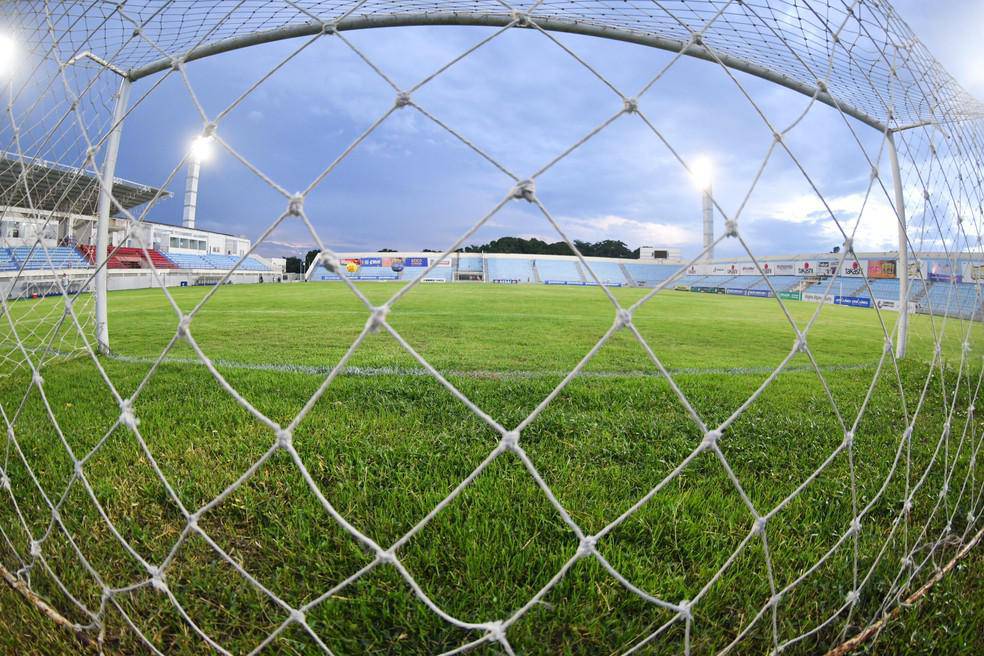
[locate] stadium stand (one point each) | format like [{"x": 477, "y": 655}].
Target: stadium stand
[
  {"x": 218, "y": 262},
  {"x": 609, "y": 273},
  {"x": 779, "y": 283},
  {"x": 59, "y": 257},
  {"x": 470, "y": 264},
  {"x": 130, "y": 258},
  {"x": 650, "y": 274},
  {"x": 509, "y": 269},
  {"x": 558, "y": 271},
  {"x": 956, "y": 300},
  {"x": 7, "y": 262}
]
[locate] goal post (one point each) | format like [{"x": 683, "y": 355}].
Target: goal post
[{"x": 910, "y": 477}]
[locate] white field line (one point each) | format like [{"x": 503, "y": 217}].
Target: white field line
[{"x": 370, "y": 372}]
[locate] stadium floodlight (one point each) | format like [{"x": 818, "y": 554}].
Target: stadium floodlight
[
  {"x": 8, "y": 51},
  {"x": 702, "y": 173},
  {"x": 199, "y": 151}
]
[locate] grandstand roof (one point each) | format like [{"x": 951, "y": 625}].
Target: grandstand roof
[{"x": 51, "y": 186}]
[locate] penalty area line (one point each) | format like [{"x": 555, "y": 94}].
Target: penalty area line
[{"x": 420, "y": 372}]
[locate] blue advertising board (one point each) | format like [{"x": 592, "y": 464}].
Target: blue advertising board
[
  {"x": 736, "y": 292},
  {"x": 853, "y": 301},
  {"x": 371, "y": 261},
  {"x": 759, "y": 293},
  {"x": 415, "y": 261}
]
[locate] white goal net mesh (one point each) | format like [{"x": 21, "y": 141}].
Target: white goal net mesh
[{"x": 855, "y": 58}]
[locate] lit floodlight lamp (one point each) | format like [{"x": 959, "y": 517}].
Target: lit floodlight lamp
[
  {"x": 201, "y": 149},
  {"x": 702, "y": 173},
  {"x": 8, "y": 50}
]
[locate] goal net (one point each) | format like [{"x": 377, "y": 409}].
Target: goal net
[{"x": 137, "y": 512}]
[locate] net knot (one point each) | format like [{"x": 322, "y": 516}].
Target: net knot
[
  {"x": 378, "y": 318},
  {"x": 90, "y": 155},
  {"x": 944, "y": 490},
  {"x": 35, "y": 549},
  {"x": 78, "y": 468},
  {"x": 193, "y": 520},
  {"x": 801, "y": 343},
  {"x": 907, "y": 506},
  {"x": 874, "y": 173},
  {"x": 849, "y": 245},
  {"x": 403, "y": 99},
  {"x": 157, "y": 579},
  {"x": 623, "y": 318},
  {"x": 821, "y": 86},
  {"x": 184, "y": 326},
  {"x": 328, "y": 28},
  {"x": 970, "y": 517},
  {"x": 684, "y": 609},
  {"x": 387, "y": 556},
  {"x": 37, "y": 379},
  {"x": 127, "y": 417},
  {"x": 295, "y": 205},
  {"x": 966, "y": 347},
  {"x": 4, "y": 481},
  {"x": 496, "y": 630},
  {"x": 777, "y": 136},
  {"x": 730, "y": 228},
  {"x": 521, "y": 19},
  {"x": 855, "y": 526},
  {"x": 630, "y": 105},
  {"x": 946, "y": 429},
  {"x": 510, "y": 440},
  {"x": 297, "y": 616},
  {"x": 285, "y": 439},
  {"x": 849, "y": 439},
  {"x": 775, "y": 599},
  {"x": 587, "y": 546},
  {"x": 760, "y": 524},
  {"x": 852, "y": 597},
  {"x": 177, "y": 63},
  {"x": 907, "y": 433},
  {"x": 697, "y": 39},
  {"x": 525, "y": 190},
  {"x": 907, "y": 561},
  {"x": 330, "y": 262},
  {"x": 710, "y": 440}
]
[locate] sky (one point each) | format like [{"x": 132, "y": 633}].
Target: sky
[{"x": 522, "y": 101}]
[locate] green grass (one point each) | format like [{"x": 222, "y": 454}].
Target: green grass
[{"x": 385, "y": 448}]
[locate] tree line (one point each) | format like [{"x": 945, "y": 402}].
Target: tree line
[{"x": 533, "y": 246}]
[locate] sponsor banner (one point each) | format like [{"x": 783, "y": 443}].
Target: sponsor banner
[
  {"x": 505, "y": 281},
  {"x": 682, "y": 288},
  {"x": 415, "y": 261},
  {"x": 886, "y": 304},
  {"x": 943, "y": 271},
  {"x": 759, "y": 293},
  {"x": 783, "y": 269},
  {"x": 791, "y": 296},
  {"x": 853, "y": 268},
  {"x": 748, "y": 269},
  {"x": 817, "y": 298},
  {"x": 736, "y": 292},
  {"x": 880, "y": 269},
  {"x": 370, "y": 261},
  {"x": 974, "y": 272},
  {"x": 806, "y": 269},
  {"x": 724, "y": 269},
  {"x": 700, "y": 270},
  {"x": 767, "y": 269},
  {"x": 853, "y": 301},
  {"x": 707, "y": 290}
]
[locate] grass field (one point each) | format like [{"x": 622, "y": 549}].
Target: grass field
[{"x": 386, "y": 443}]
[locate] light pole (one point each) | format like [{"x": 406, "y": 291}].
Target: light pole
[
  {"x": 201, "y": 149},
  {"x": 702, "y": 172}
]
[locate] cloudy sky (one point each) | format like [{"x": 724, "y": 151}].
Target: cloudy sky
[{"x": 522, "y": 100}]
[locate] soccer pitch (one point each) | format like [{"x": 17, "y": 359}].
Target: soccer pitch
[{"x": 387, "y": 442}]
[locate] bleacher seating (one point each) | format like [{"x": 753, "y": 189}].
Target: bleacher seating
[
  {"x": 650, "y": 274},
  {"x": 216, "y": 262},
  {"x": 438, "y": 273},
  {"x": 558, "y": 270},
  {"x": 951, "y": 299},
  {"x": 510, "y": 269},
  {"x": 130, "y": 258},
  {"x": 470, "y": 264},
  {"x": 609, "y": 273},
  {"x": 7, "y": 262},
  {"x": 58, "y": 257},
  {"x": 779, "y": 283}
]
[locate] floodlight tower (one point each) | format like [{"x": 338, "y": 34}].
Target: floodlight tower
[
  {"x": 200, "y": 150},
  {"x": 703, "y": 172}
]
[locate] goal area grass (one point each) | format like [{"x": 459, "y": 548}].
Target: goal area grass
[{"x": 387, "y": 442}]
